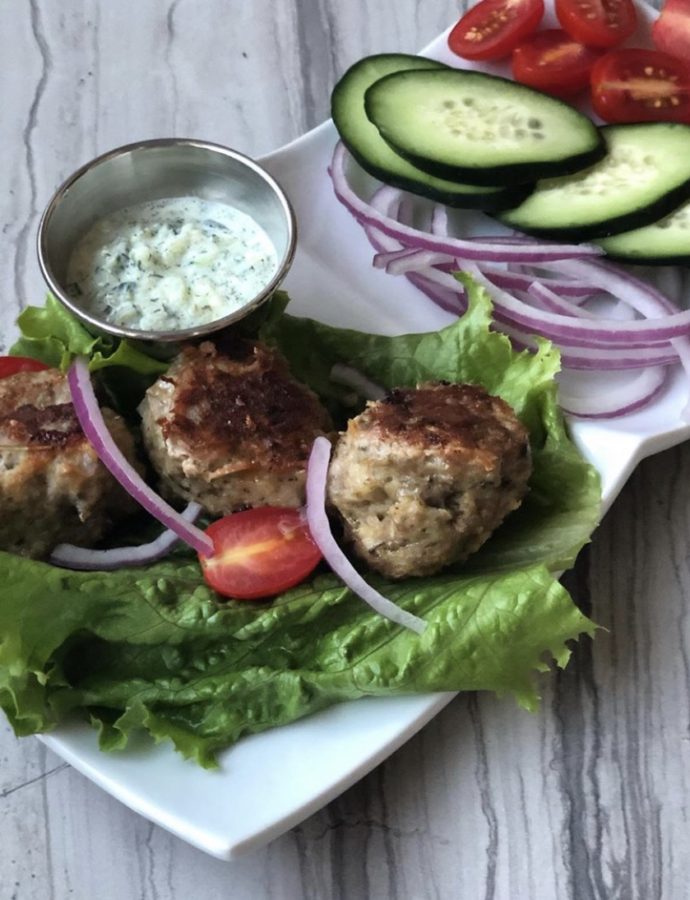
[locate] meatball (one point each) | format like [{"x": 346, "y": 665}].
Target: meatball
[
  {"x": 231, "y": 430},
  {"x": 422, "y": 477},
  {"x": 53, "y": 487}
]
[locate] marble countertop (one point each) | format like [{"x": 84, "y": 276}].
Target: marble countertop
[{"x": 587, "y": 798}]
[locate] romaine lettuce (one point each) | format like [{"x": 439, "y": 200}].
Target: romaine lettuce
[{"x": 153, "y": 649}]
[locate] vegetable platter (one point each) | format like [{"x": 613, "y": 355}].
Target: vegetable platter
[{"x": 269, "y": 782}]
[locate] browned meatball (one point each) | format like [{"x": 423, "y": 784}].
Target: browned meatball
[
  {"x": 52, "y": 486},
  {"x": 232, "y": 429},
  {"x": 422, "y": 477}
]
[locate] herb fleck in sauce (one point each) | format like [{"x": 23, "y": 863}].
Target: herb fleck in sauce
[{"x": 170, "y": 264}]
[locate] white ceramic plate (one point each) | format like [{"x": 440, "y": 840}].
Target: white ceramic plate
[{"x": 270, "y": 782}]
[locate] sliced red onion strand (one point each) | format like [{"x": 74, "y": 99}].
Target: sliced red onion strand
[
  {"x": 380, "y": 241},
  {"x": 416, "y": 261},
  {"x": 387, "y": 200},
  {"x": 616, "y": 401},
  {"x": 512, "y": 310},
  {"x": 556, "y": 300},
  {"x": 616, "y": 281},
  {"x": 68, "y": 556},
  {"x": 401, "y": 262},
  {"x": 368, "y": 213},
  {"x": 93, "y": 425},
  {"x": 513, "y": 238},
  {"x": 382, "y": 260},
  {"x": 350, "y": 377},
  {"x": 449, "y": 295},
  {"x": 589, "y": 357},
  {"x": 406, "y": 214},
  {"x": 597, "y": 333},
  {"x": 550, "y": 300},
  {"x": 588, "y": 338},
  {"x": 319, "y": 526},
  {"x": 584, "y": 358},
  {"x": 646, "y": 299},
  {"x": 602, "y": 331},
  {"x": 439, "y": 221},
  {"x": 518, "y": 281},
  {"x": 450, "y": 301},
  {"x": 515, "y": 312}
]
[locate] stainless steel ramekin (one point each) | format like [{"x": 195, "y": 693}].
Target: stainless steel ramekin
[{"x": 152, "y": 170}]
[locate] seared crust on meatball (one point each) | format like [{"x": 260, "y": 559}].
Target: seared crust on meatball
[
  {"x": 53, "y": 488},
  {"x": 423, "y": 477},
  {"x": 233, "y": 429}
]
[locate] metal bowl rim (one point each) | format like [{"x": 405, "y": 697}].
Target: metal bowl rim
[{"x": 182, "y": 334}]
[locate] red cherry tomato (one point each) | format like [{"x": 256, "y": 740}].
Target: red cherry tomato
[
  {"x": 551, "y": 61},
  {"x": 10, "y": 365},
  {"x": 492, "y": 28},
  {"x": 259, "y": 552},
  {"x": 671, "y": 31},
  {"x": 597, "y": 23},
  {"x": 641, "y": 86}
]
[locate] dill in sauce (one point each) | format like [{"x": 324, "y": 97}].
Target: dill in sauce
[{"x": 170, "y": 264}]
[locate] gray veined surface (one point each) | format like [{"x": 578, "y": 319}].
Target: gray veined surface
[{"x": 588, "y": 798}]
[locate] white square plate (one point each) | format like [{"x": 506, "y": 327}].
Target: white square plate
[{"x": 269, "y": 782}]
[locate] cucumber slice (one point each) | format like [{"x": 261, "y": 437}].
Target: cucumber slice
[
  {"x": 666, "y": 241},
  {"x": 645, "y": 175},
  {"x": 376, "y": 157},
  {"x": 456, "y": 123}
]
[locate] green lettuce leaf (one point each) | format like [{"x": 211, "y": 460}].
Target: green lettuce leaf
[
  {"x": 154, "y": 649},
  {"x": 54, "y": 336}
]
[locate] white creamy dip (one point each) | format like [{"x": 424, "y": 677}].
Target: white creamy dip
[{"x": 170, "y": 264}]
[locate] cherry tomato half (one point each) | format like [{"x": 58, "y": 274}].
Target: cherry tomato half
[
  {"x": 671, "y": 31},
  {"x": 259, "y": 552},
  {"x": 492, "y": 28},
  {"x": 10, "y": 365},
  {"x": 597, "y": 23},
  {"x": 641, "y": 86},
  {"x": 551, "y": 61}
]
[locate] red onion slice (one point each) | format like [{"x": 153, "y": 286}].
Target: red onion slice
[
  {"x": 452, "y": 302},
  {"x": 617, "y": 401},
  {"x": 406, "y": 260},
  {"x": 439, "y": 220},
  {"x": 550, "y": 300},
  {"x": 583, "y": 332},
  {"x": 93, "y": 425},
  {"x": 519, "y": 281},
  {"x": 406, "y": 214},
  {"x": 317, "y": 477},
  {"x": 415, "y": 260},
  {"x": 513, "y": 238},
  {"x": 450, "y": 296},
  {"x": 68, "y": 556},
  {"x": 350, "y": 377},
  {"x": 644, "y": 298},
  {"x": 382, "y": 260},
  {"x": 593, "y": 359},
  {"x": 489, "y": 251},
  {"x": 387, "y": 200},
  {"x": 587, "y": 339}
]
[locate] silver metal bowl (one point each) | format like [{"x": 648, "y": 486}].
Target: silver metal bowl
[{"x": 152, "y": 170}]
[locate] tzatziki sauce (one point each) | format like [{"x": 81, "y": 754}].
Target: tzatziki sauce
[{"x": 170, "y": 264}]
